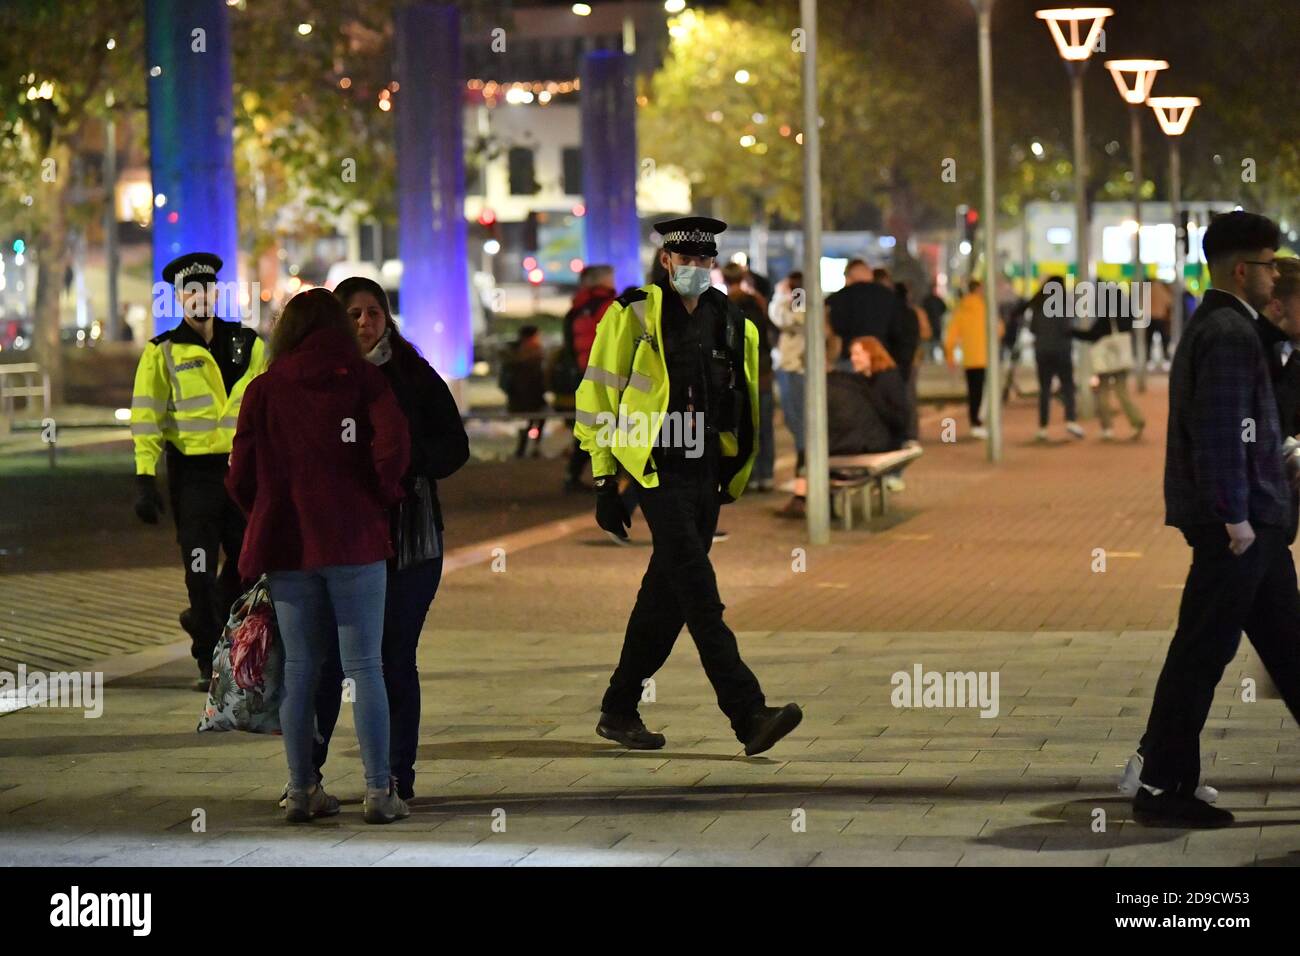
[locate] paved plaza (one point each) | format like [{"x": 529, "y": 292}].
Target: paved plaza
[{"x": 993, "y": 570}]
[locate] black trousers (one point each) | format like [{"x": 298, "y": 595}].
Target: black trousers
[
  {"x": 679, "y": 588},
  {"x": 406, "y": 604},
  {"x": 207, "y": 523},
  {"x": 1224, "y": 595},
  {"x": 1059, "y": 366},
  {"x": 974, "y": 394}
]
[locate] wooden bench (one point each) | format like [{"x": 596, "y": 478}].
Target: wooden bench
[{"x": 857, "y": 475}]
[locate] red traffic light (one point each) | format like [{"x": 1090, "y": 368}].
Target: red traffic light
[
  {"x": 972, "y": 217},
  {"x": 487, "y": 218}
]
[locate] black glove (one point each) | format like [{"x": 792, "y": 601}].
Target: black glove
[
  {"x": 611, "y": 515},
  {"x": 148, "y": 503}
]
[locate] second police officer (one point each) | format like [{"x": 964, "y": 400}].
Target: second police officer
[
  {"x": 188, "y": 389},
  {"x": 677, "y": 348}
]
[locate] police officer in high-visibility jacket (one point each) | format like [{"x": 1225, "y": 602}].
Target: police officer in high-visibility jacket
[
  {"x": 671, "y": 394},
  {"x": 188, "y": 387}
]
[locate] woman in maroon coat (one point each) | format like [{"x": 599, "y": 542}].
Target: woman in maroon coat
[{"x": 318, "y": 459}]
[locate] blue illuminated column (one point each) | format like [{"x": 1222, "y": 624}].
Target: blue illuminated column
[
  {"x": 431, "y": 236},
  {"x": 191, "y": 152},
  {"x": 609, "y": 164}
]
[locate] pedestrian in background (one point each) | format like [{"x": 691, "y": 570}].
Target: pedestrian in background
[
  {"x": 1112, "y": 359},
  {"x": 755, "y": 309},
  {"x": 1050, "y": 324},
  {"x": 915, "y": 325},
  {"x": 185, "y": 402},
  {"x": 524, "y": 382},
  {"x": 596, "y": 290},
  {"x": 318, "y": 459},
  {"x": 935, "y": 310},
  {"x": 788, "y": 315},
  {"x": 968, "y": 329},
  {"x": 866, "y": 307},
  {"x": 1281, "y": 338}
]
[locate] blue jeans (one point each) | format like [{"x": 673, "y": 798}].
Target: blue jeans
[
  {"x": 410, "y": 592},
  {"x": 790, "y": 385},
  {"x": 343, "y": 604}
]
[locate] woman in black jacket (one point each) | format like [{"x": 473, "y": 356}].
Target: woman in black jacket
[
  {"x": 439, "y": 446},
  {"x": 866, "y": 409}
]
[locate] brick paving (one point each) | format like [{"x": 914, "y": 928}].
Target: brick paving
[{"x": 982, "y": 569}]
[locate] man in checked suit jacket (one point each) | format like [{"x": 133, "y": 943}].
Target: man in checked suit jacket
[{"x": 1226, "y": 490}]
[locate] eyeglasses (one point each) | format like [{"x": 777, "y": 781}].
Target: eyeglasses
[{"x": 1270, "y": 264}]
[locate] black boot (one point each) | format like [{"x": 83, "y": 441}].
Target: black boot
[
  {"x": 1174, "y": 810},
  {"x": 203, "y": 660},
  {"x": 630, "y": 732},
  {"x": 767, "y": 725}
]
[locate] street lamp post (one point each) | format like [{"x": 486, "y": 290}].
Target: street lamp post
[
  {"x": 1075, "y": 49},
  {"x": 1142, "y": 74},
  {"x": 1174, "y": 113},
  {"x": 816, "y": 443},
  {"x": 993, "y": 377}
]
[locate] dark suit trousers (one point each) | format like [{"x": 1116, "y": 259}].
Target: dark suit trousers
[
  {"x": 1224, "y": 595},
  {"x": 679, "y": 588}
]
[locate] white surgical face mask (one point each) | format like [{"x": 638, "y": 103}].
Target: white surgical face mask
[{"x": 690, "y": 281}]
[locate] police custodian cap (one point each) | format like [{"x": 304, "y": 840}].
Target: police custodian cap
[
  {"x": 192, "y": 267},
  {"x": 691, "y": 235}
]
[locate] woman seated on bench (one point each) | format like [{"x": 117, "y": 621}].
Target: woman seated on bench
[{"x": 866, "y": 411}]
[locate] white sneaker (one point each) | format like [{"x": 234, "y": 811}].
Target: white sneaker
[
  {"x": 1075, "y": 429},
  {"x": 1107, "y": 435},
  {"x": 894, "y": 483},
  {"x": 980, "y": 432},
  {"x": 1040, "y": 435},
  {"x": 1132, "y": 779}
]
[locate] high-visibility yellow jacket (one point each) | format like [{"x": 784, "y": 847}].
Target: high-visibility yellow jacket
[
  {"x": 968, "y": 328},
  {"x": 626, "y": 383},
  {"x": 180, "y": 396}
]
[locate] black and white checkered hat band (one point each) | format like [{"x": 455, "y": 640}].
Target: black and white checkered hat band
[
  {"x": 690, "y": 235},
  {"x": 197, "y": 269}
]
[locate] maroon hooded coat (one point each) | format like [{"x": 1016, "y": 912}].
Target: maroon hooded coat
[{"x": 318, "y": 459}]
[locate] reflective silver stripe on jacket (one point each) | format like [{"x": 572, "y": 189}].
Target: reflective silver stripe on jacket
[
  {"x": 636, "y": 380},
  {"x": 195, "y": 425},
  {"x": 640, "y": 382},
  {"x": 230, "y": 423},
  {"x": 603, "y": 376},
  {"x": 145, "y": 428},
  {"x": 153, "y": 404},
  {"x": 586, "y": 418},
  {"x": 638, "y": 309},
  {"x": 190, "y": 404},
  {"x": 171, "y": 367}
]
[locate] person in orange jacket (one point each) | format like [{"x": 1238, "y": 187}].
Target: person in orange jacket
[{"x": 968, "y": 328}]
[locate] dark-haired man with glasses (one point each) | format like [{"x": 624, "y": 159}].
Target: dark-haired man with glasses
[{"x": 1227, "y": 491}]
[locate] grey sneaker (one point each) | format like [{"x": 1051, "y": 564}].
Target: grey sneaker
[
  {"x": 384, "y": 805},
  {"x": 303, "y": 806}
]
